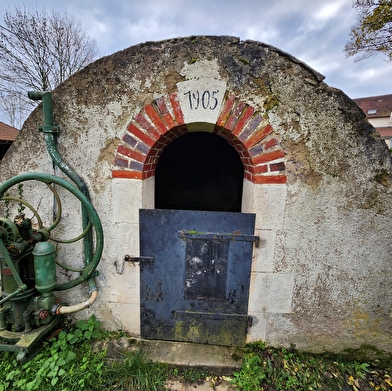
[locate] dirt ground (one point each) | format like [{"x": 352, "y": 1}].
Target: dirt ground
[{"x": 218, "y": 384}]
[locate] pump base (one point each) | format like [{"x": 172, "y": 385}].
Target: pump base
[{"x": 23, "y": 343}]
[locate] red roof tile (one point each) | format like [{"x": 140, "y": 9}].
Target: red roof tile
[
  {"x": 7, "y": 132},
  {"x": 385, "y": 131},
  {"x": 375, "y": 106}
]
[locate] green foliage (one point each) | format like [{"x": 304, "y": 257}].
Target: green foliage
[
  {"x": 21, "y": 207},
  {"x": 190, "y": 375},
  {"x": 243, "y": 60},
  {"x": 372, "y": 33},
  {"x": 89, "y": 328},
  {"x": 7, "y": 206},
  {"x": 266, "y": 368},
  {"x": 68, "y": 353},
  {"x": 369, "y": 353},
  {"x": 69, "y": 362},
  {"x": 136, "y": 373},
  {"x": 252, "y": 373}
]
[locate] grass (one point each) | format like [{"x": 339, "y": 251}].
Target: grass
[
  {"x": 266, "y": 368},
  {"x": 70, "y": 362}
]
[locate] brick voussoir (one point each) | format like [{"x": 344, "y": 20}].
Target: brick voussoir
[
  {"x": 235, "y": 115},
  {"x": 225, "y": 112},
  {"x": 258, "y": 136},
  {"x": 133, "y": 129},
  {"x": 268, "y": 157},
  {"x": 251, "y": 127},
  {"x": 156, "y": 119},
  {"x": 270, "y": 179},
  {"x": 243, "y": 120},
  {"x": 175, "y": 103},
  {"x": 127, "y": 174},
  {"x": 147, "y": 126},
  {"x": 131, "y": 153}
]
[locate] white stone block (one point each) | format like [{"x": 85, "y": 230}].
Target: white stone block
[
  {"x": 258, "y": 331},
  {"x": 125, "y": 287},
  {"x": 270, "y": 293},
  {"x": 263, "y": 256},
  {"x": 201, "y": 100},
  {"x": 148, "y": 193},
  {"x": 125, "y": 240},
  {"x": 127, "y": 194},
  {"x": 247, "y": 197},
  {"x": 127, "y": 317},
  {"x": 269, "y": 203}
]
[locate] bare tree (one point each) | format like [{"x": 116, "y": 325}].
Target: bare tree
[
  {"x": 39, "y": 51},
  {"x": 14, "y": 109},
  {"x": 372, "y": 34}
]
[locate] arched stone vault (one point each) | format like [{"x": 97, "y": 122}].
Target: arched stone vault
[{"x": 316, "y": 176}]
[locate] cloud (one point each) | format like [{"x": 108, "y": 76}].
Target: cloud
[
  {"x": 313, "y": 31},
  {"x": 330, "y": 10}
]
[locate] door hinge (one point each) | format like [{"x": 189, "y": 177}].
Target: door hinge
[
  {"x": 236, "y": 236},
  {"x": 250, "y": 322}
]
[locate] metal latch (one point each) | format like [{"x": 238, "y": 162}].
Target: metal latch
[{"x": 141, "y": 260}]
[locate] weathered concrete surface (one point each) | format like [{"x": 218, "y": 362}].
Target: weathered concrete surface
[
  {"x": 321, "y": 278},
  {"x": 217, "y": 359}
]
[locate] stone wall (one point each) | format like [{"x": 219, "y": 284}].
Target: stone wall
[{"x": 316, "y": 174}]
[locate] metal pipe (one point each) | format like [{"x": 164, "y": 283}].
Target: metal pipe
[
  {"x": 77, "y": 307},
  {"x": 21, "y": 289},
  {"x": 46, "y": 98},
  {"x": 50, "y": 138}
]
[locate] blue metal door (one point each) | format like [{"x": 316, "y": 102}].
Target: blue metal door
[{"x": 195, "y": 285}]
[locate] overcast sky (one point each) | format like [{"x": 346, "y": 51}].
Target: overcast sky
[{"x": 314, "y": 31}]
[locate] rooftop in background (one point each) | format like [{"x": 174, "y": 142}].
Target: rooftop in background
[
  {"x": 378, "y": 110},
  {"x": 7, "y": 136},
  {"x": 375, "y": 106},
  {"x": 7, "y": 132}
]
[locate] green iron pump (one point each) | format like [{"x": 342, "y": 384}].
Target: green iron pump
[{"x": 28, "y": 307}]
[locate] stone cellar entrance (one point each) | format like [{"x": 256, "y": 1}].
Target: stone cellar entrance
[
  {"x": 195, "y": 287},
  {"x": 198, "y": 167}
]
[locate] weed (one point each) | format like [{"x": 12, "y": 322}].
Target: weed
[
  {"x": 52, "y": 366},
  {"x": 267, "y": 368},
  {"x": 21, "y": 207},
  {"x": 7, "y": 206},
  {"x": 190, "y": 375},
  {"x": 243, "y": 60},
  {"x": 68, "y": 363},
  {"x": 136, "y": 373}
]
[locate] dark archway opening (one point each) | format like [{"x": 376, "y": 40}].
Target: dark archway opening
[{"x": 199, "y": 171}]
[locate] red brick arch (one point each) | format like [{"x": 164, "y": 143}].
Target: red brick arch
[{"x": 162, "y": 121}]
